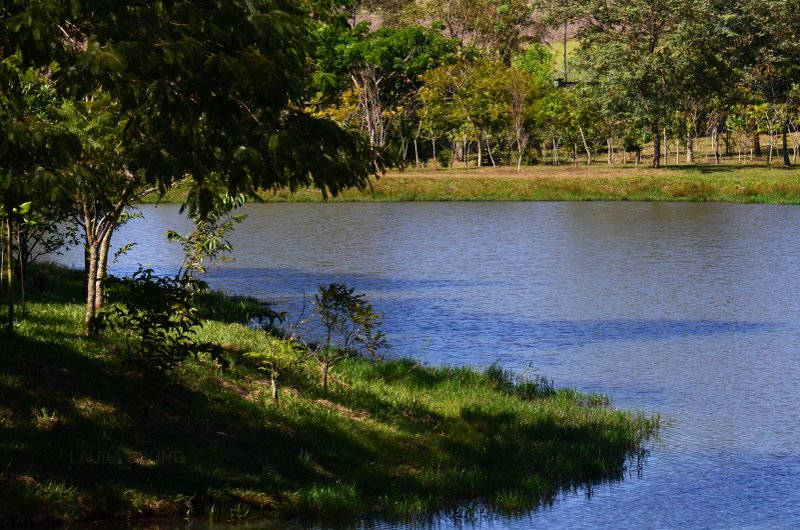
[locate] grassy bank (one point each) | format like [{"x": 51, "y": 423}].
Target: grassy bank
[
  {"x": 725, "y": 183},
  {"x": 393, "y": 439}
]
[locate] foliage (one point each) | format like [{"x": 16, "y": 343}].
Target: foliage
[
  {"x": 156, "y": 320},
  {"x": 279, "y": 356},
  {"x": 351, "y": 327},
  {"x": 158, "y": 315},
  {"x": 208, "y": 242}
]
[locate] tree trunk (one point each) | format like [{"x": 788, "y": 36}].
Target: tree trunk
[
  {"x": 555, "y": 151},
  {"x": 489, "y": 152},
  {"x": 586, "y": 147},
  {"x": 656, "y": 146},
  {"x": 91, "y": 286},
  {"x": 458, "y": 151},
  {"x": 416, "y": 154},
  {"x": 22, "y": 245},
  {"x": 769, "y": 152},
  {"x": 480, "y": 151},
  {"x": 433, "y": 143},
  {"x": 325, "y": 367},
  {"x": 368, "y": 85},
  {"x": 757, "y": 144},
  {"x": 786, "y": 161},
  {"x": 102, "y": 270},
  {"x": 610, "y": 144},
  {"x": 274, "y": 384},
  {"x": 715, "y": 143},
  {"x": 689, "y": 148},
  {"x": 9, "y": 242}
]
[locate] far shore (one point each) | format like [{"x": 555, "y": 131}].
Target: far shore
[{"x": 690, "y": 182}]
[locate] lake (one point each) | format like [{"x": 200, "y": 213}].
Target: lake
[{"x": 688, "y": 310}]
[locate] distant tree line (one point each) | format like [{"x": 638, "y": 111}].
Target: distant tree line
[{"x": 474, "y": 81}]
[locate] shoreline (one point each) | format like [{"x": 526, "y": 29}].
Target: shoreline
[
  {"x": 695, "y": 183},
  {"x": 396, "y": 440}
]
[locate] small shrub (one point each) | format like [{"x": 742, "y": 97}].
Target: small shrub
[
  {"x": 156, "y": 321},
  {"x": 444, "y": 157},
  {"x": 351, "y": 327},
  {"x": 281, "y": 355}
]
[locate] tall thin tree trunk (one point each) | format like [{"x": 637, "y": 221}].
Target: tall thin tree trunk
[
  {"x": 757, "y": 144},
  {"x": 689, "y": 148},
  {"x": 586, "y": 147},
  {"x": 325, "y": 369},
  {"x": 489, "y": 152},
  {"x": 22, "y": 244},
  {"x": 786, "y": 161},
  {"x": 433, "y": 143},
  {"x": 610, "y": 144},
  {"x": 480, "y": 151},
  {"x": 9, "y": 242},
  {"x": 769, "y": 152},
  {"x": 274, "y": 384},
  {"x": 102, "y": 270},
  {"x": 656, "y": 146},
  {"x": 715, "y": 143},
  {"x": 416, "y": 154},
  {"x": 91, "y": 286}
]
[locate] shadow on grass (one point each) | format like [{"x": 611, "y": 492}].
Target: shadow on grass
[
  {"x": 718, "y": 169},
  {"x": 77, "y": 442}
]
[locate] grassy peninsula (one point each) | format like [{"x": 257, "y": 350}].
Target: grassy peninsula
[
  {"x": 394, "y": 439},
  {"x": 705, "y": 183}
]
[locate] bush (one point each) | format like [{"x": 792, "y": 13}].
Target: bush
[
  {"x": 444, "y": 157},
  {"x": 155, "y": 319}
]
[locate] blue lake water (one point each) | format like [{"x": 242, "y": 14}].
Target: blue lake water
[{"x": 688, "y": 310}]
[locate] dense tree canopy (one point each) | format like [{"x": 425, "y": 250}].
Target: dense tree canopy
[{"x": 154, "y": 92}]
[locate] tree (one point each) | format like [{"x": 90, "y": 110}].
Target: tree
[
  {"x": 468, "y": 94},
  {"x": 384, "y": 68},
  {"x": 498, "y": 28},
  {"x": 642, "y": 53},
  {"x": 32, "y": 147},
  {"x": 351, "y": 327},
  {"x": 280, "y": 356},
  {"x": 208, "y": 91},
  {"x": 767, "y": 54}
]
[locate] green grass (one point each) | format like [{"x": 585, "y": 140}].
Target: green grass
[
  {"x": 696, "y": 183},
  {"x": 395, "y": 439}
]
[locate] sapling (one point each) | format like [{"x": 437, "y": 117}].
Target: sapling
[
  {"x": 351, "y": 327},
  {"x": 281, "y": 355}
]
